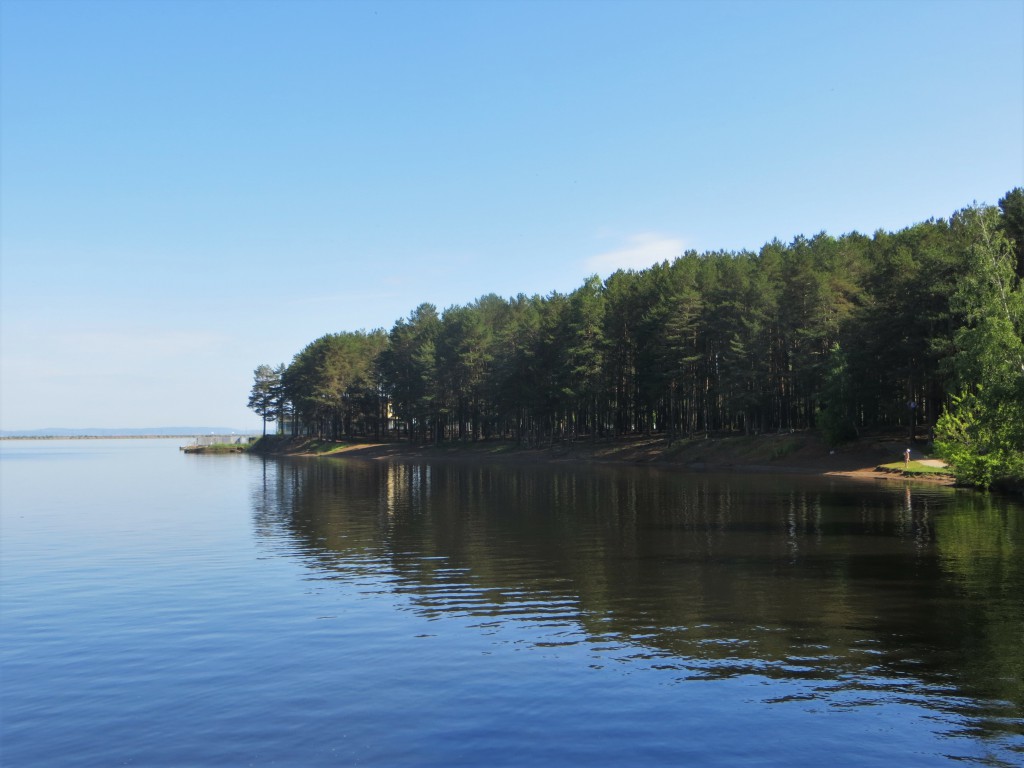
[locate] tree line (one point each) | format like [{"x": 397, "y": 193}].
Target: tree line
[{"x": 919, "y": 329}]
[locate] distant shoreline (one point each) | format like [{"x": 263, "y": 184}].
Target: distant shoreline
[{"x": 118, "y": 437}]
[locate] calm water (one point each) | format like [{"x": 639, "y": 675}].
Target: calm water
[{"x": 166, "y": 609}]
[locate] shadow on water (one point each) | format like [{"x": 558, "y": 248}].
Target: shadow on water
[{"x": 867, "y": 593}]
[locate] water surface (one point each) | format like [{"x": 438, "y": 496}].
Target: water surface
[{"x": 169, "y": 609}]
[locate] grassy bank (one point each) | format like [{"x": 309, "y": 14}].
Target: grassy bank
[
  {"x": 217, "y": 448},
  {"x": 300, "y": 446},
  {"x": 803, "y": 452},
  {"x": 916, "y": 469}
]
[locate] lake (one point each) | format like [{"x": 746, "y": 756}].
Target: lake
[{"x": 164, "y": 609}]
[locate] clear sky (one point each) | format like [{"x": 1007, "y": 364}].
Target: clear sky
[{"x": 189, "y": 189}]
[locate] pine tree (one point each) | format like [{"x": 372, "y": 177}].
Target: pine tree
[{"x": 265, "y": 393}]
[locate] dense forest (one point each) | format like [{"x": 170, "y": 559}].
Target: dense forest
[{"x": 917, "y": 330}]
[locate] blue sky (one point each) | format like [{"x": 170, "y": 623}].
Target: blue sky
[{"x": 189, "y": 189}]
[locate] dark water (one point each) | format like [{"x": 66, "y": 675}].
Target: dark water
[{"x": 166, "y": 609}]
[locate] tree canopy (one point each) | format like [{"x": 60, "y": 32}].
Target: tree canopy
[{"x": 905, "y": 330}]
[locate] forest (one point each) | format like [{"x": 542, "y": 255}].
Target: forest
[{"x": 920, "y": 330}]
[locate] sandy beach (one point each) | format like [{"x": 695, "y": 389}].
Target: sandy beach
[{"x": 794, "y": 453}]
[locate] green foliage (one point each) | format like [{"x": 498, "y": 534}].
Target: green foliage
[
  {"x": 266, "y": 394},
  {"x": 977, "y": 439},
  {"x": 1012, "y": 224},
  {"x": 838, "y": 408},
  {"x": 840, "y": 333},
  {"x": 982, "y": 433},
  {"x": 332, "y": 383},
  {"x": 408, "y": 368}
]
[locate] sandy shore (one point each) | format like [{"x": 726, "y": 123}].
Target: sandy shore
[{"x": 799, "y": 453}]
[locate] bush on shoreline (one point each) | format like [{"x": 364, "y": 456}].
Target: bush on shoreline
[{"x": 217, "y": 448}]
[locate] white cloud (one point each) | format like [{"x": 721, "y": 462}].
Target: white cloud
[{"x": 638, "y": 252}]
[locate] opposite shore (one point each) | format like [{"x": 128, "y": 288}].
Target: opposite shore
[{"x": 790, "y": 453}]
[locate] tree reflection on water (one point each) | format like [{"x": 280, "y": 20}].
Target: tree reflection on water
[{"x": 863, "y": 591}]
